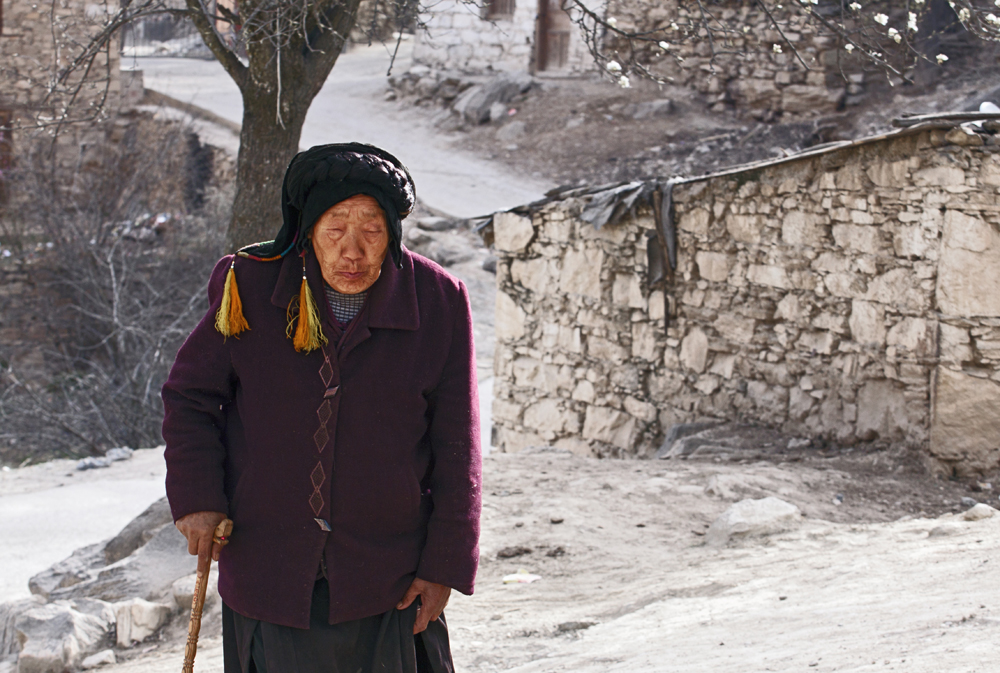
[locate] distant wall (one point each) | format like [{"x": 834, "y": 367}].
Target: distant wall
[
  {"x": 458, "y": 39},
  {"x": 853, "y": 296}
]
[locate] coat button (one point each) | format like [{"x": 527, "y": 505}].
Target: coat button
[{"x": 330, "y": 392}]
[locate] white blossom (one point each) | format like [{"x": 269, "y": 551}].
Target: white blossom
[
  {"x": 624, "y": 83},
  {"x": 996, "y": 2},
  {"x": 894, "y": 34},
  {"x": 881, "y": 19},
  {"x": 941, "y": 58},
  {"x": 664, "y": 46},
  {"x": 854, "y": 6},
  {"x": 776, "y": 48},
  {"x": 673, "y": 26},
  {"x": 911, "y": 22},
  {"x": 992, "y": 18},
  {"x": 963, "y": 14},
  {"x": 612, "y": 21},
  {"x": 848, "y": 48},
  {"x": 918, "y": 2},
  {"x": 614, "y": 67}
]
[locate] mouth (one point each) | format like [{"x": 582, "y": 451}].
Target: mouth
[{"x": 351, "y": 275}]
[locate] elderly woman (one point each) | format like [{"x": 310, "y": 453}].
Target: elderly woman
[{"x": 340, "y": 436}]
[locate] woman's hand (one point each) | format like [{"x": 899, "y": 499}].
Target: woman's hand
[
  {"x": 433, "y": 598},
  {"x": 199, "y": 529}
]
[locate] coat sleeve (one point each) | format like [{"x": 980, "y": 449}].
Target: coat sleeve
[
  {"x": 200, "y": 385},
  {"x": 451, "y": 553}
]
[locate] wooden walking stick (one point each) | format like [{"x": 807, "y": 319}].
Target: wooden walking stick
[{"x": 221, "y": 536}]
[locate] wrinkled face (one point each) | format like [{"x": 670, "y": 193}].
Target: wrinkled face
[{"x": 351, "y": 240}]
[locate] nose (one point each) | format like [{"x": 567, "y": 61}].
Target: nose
[{"x": 353, "y": 247}]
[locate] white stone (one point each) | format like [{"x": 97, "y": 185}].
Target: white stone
[
  {"x": 753, "y": 518},
  {"x": 544, "y": 417},
  {"x": 603, "y": 349},
  {"x": 889, "y": 174},
  {"x": 897, "y": 288},
  {"x": 657, "y": 306},
  {"x": 968, "y": 282},
  {"x": 610, "y": 426},
  {"x": 911, "y": 242},
  {"x": 954, "y": 344},
  {"x": 817, "y": 342},
  {"x": 583, "y": 392},
  {"x": 881, "y": 412},
  {"x": 800, "y": 403},
  {"x": 735, "y": 328},
  {"x": 745, "y": 228},
  {"x": 102, "y": 658},
  {"x": 723, "y": 366},
  {"x": 713, "y": 266},
  {"x": 694, "y": 350},
  {"x": 644, "y": 411},
  {"x": 644, "y": 341},
  {"x": 695, "y": 222},
  {"x": 707, "y": 384},
  {"x": 627, "y": 291},
  {"x": 867, "y": 323},
  {"x": 508, "y": 319},
  {"x": 512, "y": 232},
  {"x": 913, "y": 334},
  {"x": 965, "y": 427},
  {"x": 844, "y": 285},
  {"x": 857, "y": 237},
  {"x": 57, "y": 636},
  {"x": 137, "y": 619},
  {"x": 533, "y": 274},
  {"x": 789, "y": 308},
  {"x": 800, "y": 228},
  {"x": 978, "y": 512},
  {"x": 939, "y": 176},
  {"x": 581, "y": 272},
  {"x": 774, "y": 276}
]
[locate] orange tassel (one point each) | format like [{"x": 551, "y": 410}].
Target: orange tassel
[
  {"x": 229, "y": 319},
  {"x": 308, "y": 334}
]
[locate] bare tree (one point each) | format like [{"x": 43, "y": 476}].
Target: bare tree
[
  {"x": 114, "y": 264},
  {"x": 893, "y": 36},
  {"x": 279, "y": 53}
]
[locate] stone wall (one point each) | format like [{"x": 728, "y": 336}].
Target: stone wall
[
  {"x": 458, "y": 39},
  {"x": 852, "y": 295},
  {"x": 40, "y": 39},
  {"x": 757, "y": 81}
]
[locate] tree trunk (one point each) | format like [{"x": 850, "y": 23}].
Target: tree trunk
[{"x": 265, "y": 150}]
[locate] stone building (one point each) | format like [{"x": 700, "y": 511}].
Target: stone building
[
  {"x": 535, "y": 36},
  {"x": 37, "y": 41},
  {"x": 539, "y": 37},
  {"x": 851, "y": 293}
]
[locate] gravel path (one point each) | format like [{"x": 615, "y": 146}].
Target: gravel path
[{"x": 351, "y": 107}]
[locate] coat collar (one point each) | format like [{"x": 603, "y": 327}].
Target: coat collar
[{"x": 392, "y": 302}]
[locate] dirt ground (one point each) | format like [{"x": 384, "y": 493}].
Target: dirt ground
[
  {"x": 892, "y": 579},
  {"x": 578, "y": 131}
]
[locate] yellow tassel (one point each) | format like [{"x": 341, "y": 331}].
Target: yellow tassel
[
  {"x": 308, "y": 335},
  {"x": 229, "y": 320}
]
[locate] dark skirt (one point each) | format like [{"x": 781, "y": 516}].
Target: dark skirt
[{"x": 378, "y": 644}]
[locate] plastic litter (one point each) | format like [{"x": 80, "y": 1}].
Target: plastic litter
[{"x": 522, "y": 576}]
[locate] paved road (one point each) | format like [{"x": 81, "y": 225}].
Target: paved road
[
  {"x": 351, "y": 107},
  {"x": 47, "y": 511}
]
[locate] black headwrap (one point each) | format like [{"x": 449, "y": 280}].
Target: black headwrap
[{"x": 325, "y": 175}]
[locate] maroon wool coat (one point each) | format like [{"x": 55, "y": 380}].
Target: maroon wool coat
[{"x": 377, "y": 435}]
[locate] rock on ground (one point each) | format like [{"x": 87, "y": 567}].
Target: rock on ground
[
  {"x": 753, "y": 518},
  {"x": 58, "y": 636}
]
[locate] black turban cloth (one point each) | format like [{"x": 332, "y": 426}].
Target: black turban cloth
[{"x": 325, "y": 175}]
